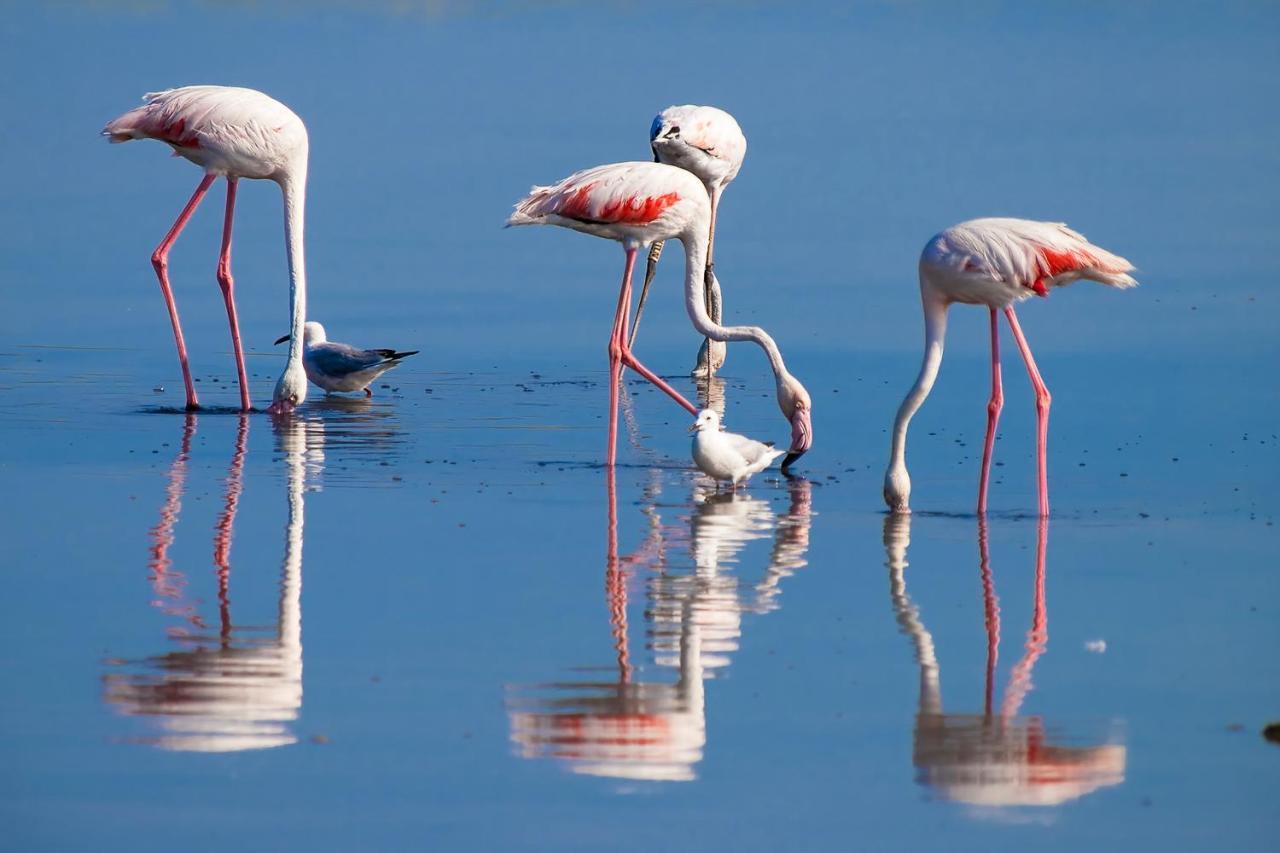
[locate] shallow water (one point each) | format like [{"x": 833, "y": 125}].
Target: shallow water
[{"x": 498, "y": 643}]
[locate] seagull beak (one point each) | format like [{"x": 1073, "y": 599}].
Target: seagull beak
[
  {"x": 801, "y": 435},
  {"x": 693, "y": 427},
  {"x": 282, "y": 339}
]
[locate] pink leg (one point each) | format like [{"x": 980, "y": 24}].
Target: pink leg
[
  {"x": 993, "y": 413},
  {"x": 1043, "y": 399},
  {"x": 620, "y": 354},
  {"x": 228, "y": 293},
  {"x": 616, "y": 349},
  {"x": 160, "y": 260}
]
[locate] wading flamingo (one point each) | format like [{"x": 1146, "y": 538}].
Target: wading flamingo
[
  {"x": 994, "y": 262},
  {"x": 232, "y": 133},
  {"x": 638, "y": 204},
  {"x": 707, "y": 142}
]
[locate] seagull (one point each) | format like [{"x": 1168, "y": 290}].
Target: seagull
[
  {"x": 342, "y": 367},
  {"x": 726, "y": 455}
]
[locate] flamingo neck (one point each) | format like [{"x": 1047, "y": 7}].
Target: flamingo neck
[
  {"x": 935, "y": 333},
  {"x": 696, "y": 242},
  {"x": 294, "y": 188}
]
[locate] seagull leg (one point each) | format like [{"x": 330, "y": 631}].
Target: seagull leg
[
  {"x": 993, "y": 413},
  {"x": 1043, "y": 399},
  {"x": 160, "y": 261},
  {"x": 227, "y": 283}
]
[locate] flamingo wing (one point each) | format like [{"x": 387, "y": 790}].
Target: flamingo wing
[
  {"x": 219, "y": 117},
  {"x": 1031, "y": 254},
  {"x": 615, "y": 194}
]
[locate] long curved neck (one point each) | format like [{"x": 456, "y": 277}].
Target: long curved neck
[
  {"x": 935, "y": 333},
  {"x": 294, "y": 188},
  {"x": 695, "y": 240}
]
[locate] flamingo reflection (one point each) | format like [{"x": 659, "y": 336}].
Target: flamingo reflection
[
  {"x": 239, "y": 687},
  {"x": 621, "y": 724},
  {"x": 996, "y": 758}
]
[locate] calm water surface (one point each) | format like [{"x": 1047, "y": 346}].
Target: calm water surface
[{"x": 432, "y": 619}]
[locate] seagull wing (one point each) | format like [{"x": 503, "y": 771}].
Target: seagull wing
[
  {"x": 752, "y": 451},
  {"x": 337, "y": 359}
]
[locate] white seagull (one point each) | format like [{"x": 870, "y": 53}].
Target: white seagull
[
  {"x": 726, "y": 455},
  {"x": 342, "y": 367}
]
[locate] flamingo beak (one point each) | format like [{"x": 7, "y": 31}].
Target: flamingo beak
[
  {"x": 801, "y": 436},
  {"x": 282, "y": 339}
]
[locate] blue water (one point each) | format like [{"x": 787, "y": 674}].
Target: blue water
[{"x": 405, "y": 621}]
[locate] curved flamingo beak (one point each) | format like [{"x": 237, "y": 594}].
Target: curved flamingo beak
[
  {"x": 801, "y": 436},
  {"x": 282, "y": 339}
]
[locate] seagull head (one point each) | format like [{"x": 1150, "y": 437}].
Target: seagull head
[
  {"x": 707, "y": 421},
  {"x": 312, "y": 333}
]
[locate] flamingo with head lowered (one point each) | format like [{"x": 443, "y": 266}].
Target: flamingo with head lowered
[
  {"x": 637, "y": 204},
  {"x": 232, "y": 133},
  {"x": 707, "y": 142},
  {"x": 994, "y": 262}
]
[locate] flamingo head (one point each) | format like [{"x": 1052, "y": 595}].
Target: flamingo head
[
  {"x": 796, "y": 407},
  {"x": 291, "y": 390},
  {"x": 897, "y": 488}
]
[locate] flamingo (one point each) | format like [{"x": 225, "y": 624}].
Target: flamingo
[
  {"x": 707, "y": 142},
  {"x": 637, "y": 204},
  {"x": 994, "y": 262},
  {"x": 232, "y": 133}
]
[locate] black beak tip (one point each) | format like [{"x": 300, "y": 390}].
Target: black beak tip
[
  {"x": 790, "y": 458},
  {"x": 281, "y": 340}
]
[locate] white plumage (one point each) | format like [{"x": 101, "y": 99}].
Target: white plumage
[
  {"x": 728, "y": 456},
  {"x": 633, "y": 201},
  {"x": 706, "y": 141},
  {"x": 997, "y": 262}
]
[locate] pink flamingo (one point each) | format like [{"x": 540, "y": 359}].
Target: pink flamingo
[
  {"x": 707, "y": 142},
  {"x": 638, "y": 204},
  {"x": 994, "y": 262},
  {"x": 233, "y": 133}
]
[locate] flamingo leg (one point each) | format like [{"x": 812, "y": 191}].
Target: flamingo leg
[
  {"x": 650, "y": 271},
  {"x": 993, "y": 413},
  {"x": 1043, "y": 400},
  {"x": 160, "y": 261},
  {"x": 620, "y": 354},
  {"x": 711, "y": 354},
  {"x": 617, "y": 346},
  {"x": 227, "y": 283}
]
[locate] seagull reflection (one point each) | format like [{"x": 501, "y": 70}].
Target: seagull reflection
[
  {"x": 621, "y": 724},
  {"x": 239, "y": 687},
  {"x": 996, "y": 758}
]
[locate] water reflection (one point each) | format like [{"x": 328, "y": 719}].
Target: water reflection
[
  {"x": 625, "y": 722},
  {"x": 996, "y": 758},
  {"x": 236, "y": 687}
]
